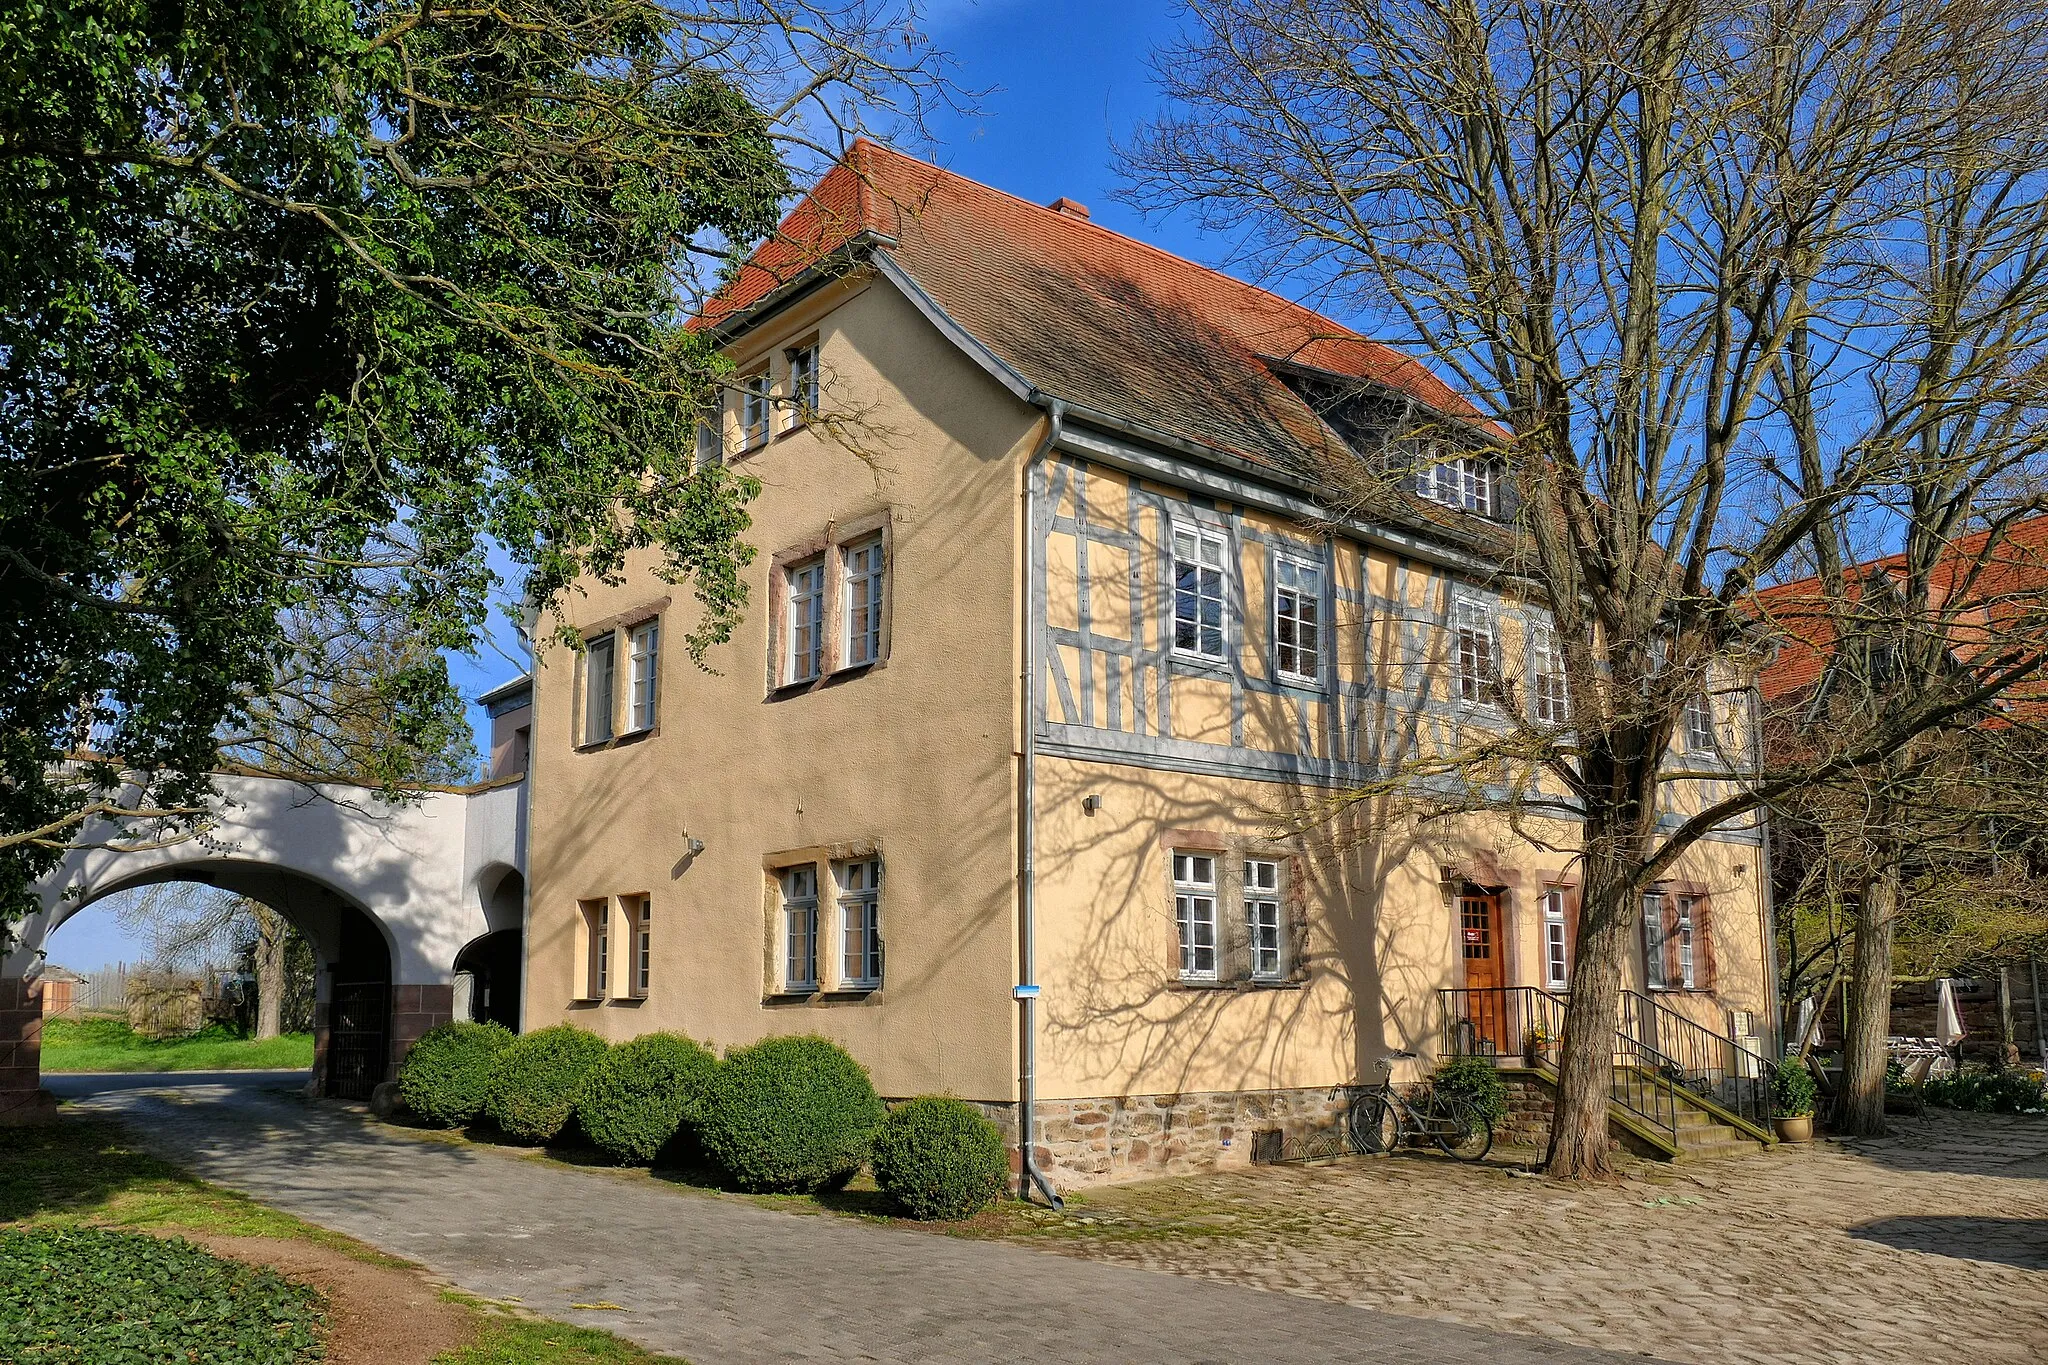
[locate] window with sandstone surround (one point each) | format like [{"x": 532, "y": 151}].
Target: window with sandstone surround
[
  {"x": 1556, "y": 943},
  {"x": 804, "y": 622},
  {"x": 865, "y": 579},
  {"x": 596, "y": 947},
  {"x": 644, "y": 675},
  {"x": 1194, "y": 913},
  {"x": 1699, "y": 724},
  {"x": 639, "y": 911},
  {"x": 803, "y": 385},
  {"x": 800, "y": 928},
  {"x": 599, "y": 685},
  {"x": 754, "y": 406},
  {"x": 860, "y": 920},
  {"x": 1264, "y": 929}
]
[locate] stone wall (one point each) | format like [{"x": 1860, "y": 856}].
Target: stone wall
[
  {"x": 1132, "y": 1137},
  {"x": 1532, "y": 1099}
]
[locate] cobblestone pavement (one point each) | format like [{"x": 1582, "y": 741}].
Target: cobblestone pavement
[
  {"x": 1928, "y": 1245},
  {"x": 721, "y": 1280}
]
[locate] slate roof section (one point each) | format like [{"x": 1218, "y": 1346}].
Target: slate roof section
[{"x": 1088, "y": 315}]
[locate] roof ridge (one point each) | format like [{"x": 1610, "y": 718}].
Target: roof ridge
[{"x": 1070, "y": 222}]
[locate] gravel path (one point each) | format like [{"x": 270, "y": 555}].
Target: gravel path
[{"x": 719, "y": 1280}]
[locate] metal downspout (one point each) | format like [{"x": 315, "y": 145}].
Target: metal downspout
[
  {"x": 1026, "y": 991},
  {"x": 1767, "y": 897}
]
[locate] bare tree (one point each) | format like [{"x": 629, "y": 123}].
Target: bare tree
[{"x": 1641, "y": 235}]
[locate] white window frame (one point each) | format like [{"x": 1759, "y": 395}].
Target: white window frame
[
  {"x": 601, "y": 950},
  {"x": 1465, "y": 482},
  {"x": 800, "y": 927},
  {"x": 754, "y": 409},
  {"x": 1557, "y": 966},
  {"x": 860, "y": 924},
  {"x": 1308, "y": 657},
  {"x": 1686, "y": 931},
  {"x": 803, "y": 385},
  {"x": 1474, "y": 621},
  {"x": 803, "y": 650},
  {"x": 1653, "y": 942},
  {"x": 1549, "y": 694},
  {"x": 1194, "y": 909},
  {"x": 1265, "y": 928},
  {"x": 600, "y": 687},
  {"x": 864, "y": 569},
  {"x": 644, "y": 675},
  {"x": 643, "y": 943},
  {"x": 1200, "y": 539},
  {"x": 711, "y": 438},
  {"x": 1700, "y": 736}
]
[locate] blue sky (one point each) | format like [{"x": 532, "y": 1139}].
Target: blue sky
[{"x": 1064, "y": 81}]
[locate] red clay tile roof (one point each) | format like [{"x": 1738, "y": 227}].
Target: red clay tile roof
[
  {"x": 2008, "y": 582},
  {"x": 1087, "y": 315}
]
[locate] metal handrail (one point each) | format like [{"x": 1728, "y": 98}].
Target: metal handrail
[
  {"x": 1711, "y": 1065},
  {"x": 1657, "y": 1051}
]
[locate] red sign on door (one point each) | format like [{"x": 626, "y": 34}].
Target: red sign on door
[{"x": 1475, "y": 936}]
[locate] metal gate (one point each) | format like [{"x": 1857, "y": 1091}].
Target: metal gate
[{"x": 358, "y": 1038}]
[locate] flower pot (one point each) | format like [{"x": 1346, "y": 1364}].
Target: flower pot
[{"x": 1795, "y": 1128}]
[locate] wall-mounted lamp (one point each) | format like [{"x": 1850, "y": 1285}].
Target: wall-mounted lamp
[
  {"x": 1091, "y": 803},
  {"x": 695, "y": 846}
]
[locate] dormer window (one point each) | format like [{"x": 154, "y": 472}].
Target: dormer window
[{"x": 1468, "y": 482}]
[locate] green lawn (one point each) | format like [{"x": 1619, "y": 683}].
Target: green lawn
[
  {"x": 82, "y": 1171},
  {"x": 110, "y": 1045}
]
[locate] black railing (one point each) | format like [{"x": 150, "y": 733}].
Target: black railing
[
  {"x": 1525, "y": 1022},
  {"x": 1709, "y": 1064},
  {"x": 1657, "y": 1051}
]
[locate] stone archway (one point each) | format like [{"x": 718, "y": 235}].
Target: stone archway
[{"x": 388, "y": 892}]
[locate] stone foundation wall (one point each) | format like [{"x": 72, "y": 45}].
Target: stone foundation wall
[
  {"x": 1531, "y": 1102},
  {"x": 414, "y": 1010},
  {"x": 1132, "y": 1137}
]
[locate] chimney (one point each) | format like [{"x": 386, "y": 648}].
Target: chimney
[{"x": 1071, "y": 208}]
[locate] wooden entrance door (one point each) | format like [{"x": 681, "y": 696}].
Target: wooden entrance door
[{"x": 1479, "y": 943}]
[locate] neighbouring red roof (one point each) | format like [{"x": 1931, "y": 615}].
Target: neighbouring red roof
[
  {"x": 1086, "y": 314},
  {"x": 2002, "y": 582}
]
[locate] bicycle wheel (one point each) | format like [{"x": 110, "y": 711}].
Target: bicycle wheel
[
  {"x": 1373, "y": 1124},
  {"x": 1463, "y": 1134}
]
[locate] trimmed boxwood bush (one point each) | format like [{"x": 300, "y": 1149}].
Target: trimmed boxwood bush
[
  {"x": 1475, "y": 1081},
  {"x": 792, "y": 1114},
  {"x": 940, "y": 1158},
  {"x": 539, "y": 1079},
  {"x": 642, "y": 1093},
  {"x": 82, "y": 1294},
  {"x": 446, "y": 1077}
]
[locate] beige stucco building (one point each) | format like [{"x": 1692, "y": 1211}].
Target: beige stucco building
[{"x": 1053, "y": 663}]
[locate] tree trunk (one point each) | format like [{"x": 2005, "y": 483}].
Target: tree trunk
[
  {"x": 271, "y": 931},
  {"x": 1859, "y": 1112},
  {"x": 1578, "y": 1127}
]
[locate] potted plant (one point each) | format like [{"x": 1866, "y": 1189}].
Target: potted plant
[
  {"x": 1537, "y": 1045},
  {"x": 1794, "y": 1093}
]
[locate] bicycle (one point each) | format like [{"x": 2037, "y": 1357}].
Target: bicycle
[{"x": 1382, "y": 1119}]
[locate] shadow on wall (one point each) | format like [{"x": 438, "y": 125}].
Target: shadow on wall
[
  {"x": 1127, "y": 1013},
  {"x": 2022, "y": 1242}
]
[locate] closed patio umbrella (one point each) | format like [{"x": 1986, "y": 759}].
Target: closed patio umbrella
[{"x": 1948, "y": 1020}]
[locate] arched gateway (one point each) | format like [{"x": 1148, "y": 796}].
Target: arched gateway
[{"x": 397, "y": 900}]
